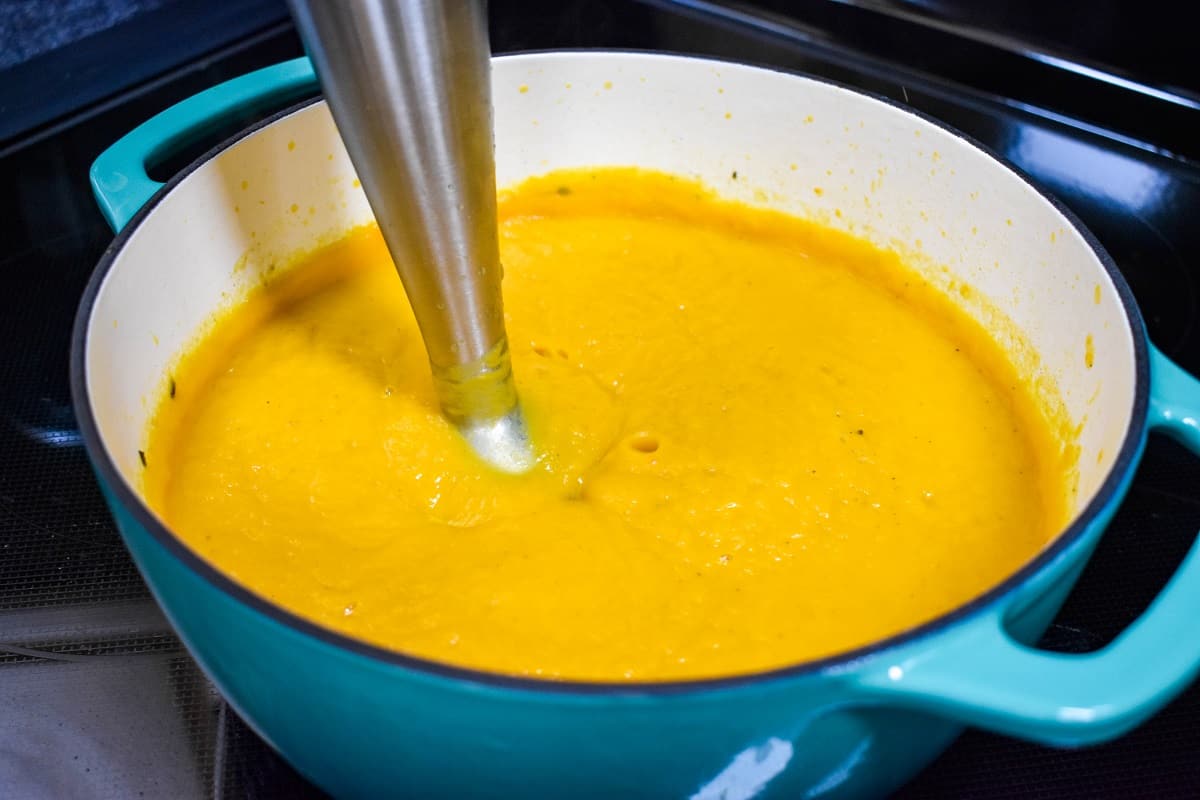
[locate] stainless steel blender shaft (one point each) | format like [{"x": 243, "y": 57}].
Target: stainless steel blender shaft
[{"x": 409, "y": 86}]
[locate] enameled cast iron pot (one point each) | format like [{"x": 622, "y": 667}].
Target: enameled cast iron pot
[{"x": 364, "y": 722}]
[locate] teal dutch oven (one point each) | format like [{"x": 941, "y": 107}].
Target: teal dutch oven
[{"x": 361, "y": 721}]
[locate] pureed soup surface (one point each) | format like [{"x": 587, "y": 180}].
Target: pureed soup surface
[{"x": 765, "y": 442}]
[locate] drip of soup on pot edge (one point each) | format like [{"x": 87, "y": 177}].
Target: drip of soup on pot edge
[{"x": 763, "y": 442}]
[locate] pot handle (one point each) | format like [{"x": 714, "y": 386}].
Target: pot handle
[
  {"x": 983, "y": 677},
  {"x": 118, "y": 175}
]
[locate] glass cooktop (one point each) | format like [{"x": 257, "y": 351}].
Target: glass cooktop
[{"x": 99, "y": 699}]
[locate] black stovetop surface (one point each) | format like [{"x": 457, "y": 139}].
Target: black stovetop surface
[{"x": 97, "y": 697}]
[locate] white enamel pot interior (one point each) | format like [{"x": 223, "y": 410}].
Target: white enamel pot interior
[
  {"x": 794, "y": 144},
  {"x": 781, "y": 140}
]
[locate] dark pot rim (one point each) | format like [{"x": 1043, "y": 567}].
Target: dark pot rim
[{"x": 132, "y": 503}]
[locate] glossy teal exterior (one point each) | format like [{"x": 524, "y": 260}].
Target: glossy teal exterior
[
  {"x": 118, "y": 175},
  {"x": 982, "y": 676},
  {"x": 363, "y": 725},
  {"x": 360, "y": 727}
]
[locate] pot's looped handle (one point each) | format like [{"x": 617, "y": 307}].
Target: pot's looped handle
[
  {"x": 118, "y": 175},
  {"x": 982, "y": 677}
]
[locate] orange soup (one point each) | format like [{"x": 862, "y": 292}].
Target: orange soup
[{"x": 763, "y": 441}]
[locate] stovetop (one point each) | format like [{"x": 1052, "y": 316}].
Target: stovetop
[{"x": 100, "y": 700}]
